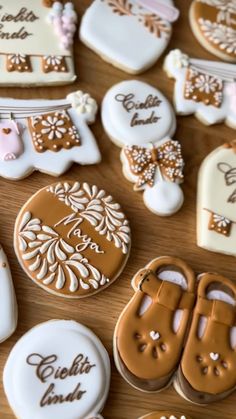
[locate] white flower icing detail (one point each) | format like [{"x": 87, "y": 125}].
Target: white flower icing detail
[
  {"x": 53, "y": 127},
  {"x": 98, "y": 209},
  {"x": 17, "y": 59},
  {"x": 207, "y": 84},
  {"x": 83, "y": 103},
  {"x": 221, "y": 221},
  {"x": 53, "y": 60},
  {"x": 226, "y": 9},
  {"x": 72, "y": 131},
  {"x": 220, "y": 35},
  {"x": 179, "y": 59},
  {"x": 54, "y": 258}
]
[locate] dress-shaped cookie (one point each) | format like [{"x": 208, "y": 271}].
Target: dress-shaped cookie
[
  {"x": 216, "y": 219},
  {"x": 72, "y": 239},
  {"x": 204, "y": 88},
  {"x": 138, "y": 118},
  {"x": 59, "y": 369},
  {"x": 165, "y": 415},
  {"x": 8, "y": 304},
  {"x": 36, "y": 40},
  {"x": 214, "y": 24},
  {"x": 207, "y": 370},
  {"x": 150, "y": 333},
  {"x": 130, "y": 34},
  {"x": 46, "y": 135}
]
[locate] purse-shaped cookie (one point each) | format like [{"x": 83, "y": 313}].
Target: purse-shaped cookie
[
  {"x": 207, "y": 370},
  {"x": 150, "y": 332},
  {"x": 216, "y": 219},
  {"x": 36, "y": 42},
  {"x": 204, "y": 88},
  {"x": 46, "y": 135}
]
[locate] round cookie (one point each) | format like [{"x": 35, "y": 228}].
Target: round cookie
[
  {"x": 72, "y": 239},
  {"x": 136, "y": 113},
  {"x": 164, "y": 415},
  {"x": 214, "y": 24},
  {"x": 59, "y": 369}
]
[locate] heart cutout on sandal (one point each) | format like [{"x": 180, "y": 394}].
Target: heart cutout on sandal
[
  {"x": 6, "y": 131},
  {"x": 214, "y": 356},
  {"x": 155, "y": 335}
]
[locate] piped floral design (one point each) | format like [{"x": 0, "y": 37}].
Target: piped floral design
[{"x": 220, "y": 35}]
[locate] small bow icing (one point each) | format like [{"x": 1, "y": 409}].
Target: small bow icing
[
  {"x": 165, "y": 11},
  {"x": 143, "y": 162}
]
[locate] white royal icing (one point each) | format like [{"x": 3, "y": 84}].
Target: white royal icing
[
  {"x": 131, "y": 29},
  {"x": 58, "y": 369}
]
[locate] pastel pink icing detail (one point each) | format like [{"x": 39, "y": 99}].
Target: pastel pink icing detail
[
  {"x": 11, "y": 145},
  {"x": 170, "y": 13}
]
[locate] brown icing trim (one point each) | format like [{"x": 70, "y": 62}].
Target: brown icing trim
[{"x": 232, "y": 145}]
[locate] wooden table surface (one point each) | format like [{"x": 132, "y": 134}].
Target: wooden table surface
[{"x": 152, "y": 236}]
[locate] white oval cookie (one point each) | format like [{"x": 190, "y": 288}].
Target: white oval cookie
[
  {"x": 216, "y": 215},
  {"x": 8, "y": 305},
  {"x": 134, "y": 26},
  {"x": 59, "y": 369},
  {"x": 136, "y": 113}
]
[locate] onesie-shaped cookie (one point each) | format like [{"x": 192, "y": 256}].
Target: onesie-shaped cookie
[
  {"x": 46, "y": 135},
  {"x": 165, "y": 415},
  {"x": 214, "y": 24},
  {"x": 130, "y": 34},
  {"x": 150, "y": 332},
  {"x": 204, "y": 88},
  {"x": 138, "y": 118},
  {"x": 216, "y": 210}
]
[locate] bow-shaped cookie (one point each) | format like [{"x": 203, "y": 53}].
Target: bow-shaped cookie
[{"x": 143, "y": 162}]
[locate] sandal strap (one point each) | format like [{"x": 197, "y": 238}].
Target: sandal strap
[
  {"x": 219, "y": 311},
  {"x": 173, "y": 297}
]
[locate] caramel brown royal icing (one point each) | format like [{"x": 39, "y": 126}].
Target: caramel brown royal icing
[
  {"x": 165, "y": 415},
  {"x": 207, "y": 369},
  {"x": 72, "y": 239},
  {"x": 147, "y": 351}
]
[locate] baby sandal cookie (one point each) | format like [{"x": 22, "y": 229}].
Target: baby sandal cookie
[
  {"x": 138, "y": 117},
  {"x": 214, "y": 24},
  {"x": 72, "y": 239},
  {"x": 165, "y": 415},
  {"x": 207, "y": 370},
  {"x": 36, "y": 42},
  {"x": 204, "y": 88},
  {"x": 59, "y": 369},
  {"x": 216, "y": 225},
  {"x": 46, "y": 135},
  {"x": 150, "y": 332},
  {"x": 118, "y": 30},
  {"x": 8, "y": 305}
]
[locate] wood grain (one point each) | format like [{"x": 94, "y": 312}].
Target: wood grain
[{"x": 152, "y": 236}]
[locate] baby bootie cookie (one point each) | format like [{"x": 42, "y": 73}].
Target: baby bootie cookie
[
  {"x": 216, "y": 220},
  {"x": 37, "y": 42},
  {"x": 138, "y": 118},
  {"x": 165, "y": 415},
  {"x": 46, "y": 135},
  {"x": 150, "y": 332},
  {"x": 214, "y": 24},
  {"x": 204, "y": 88},
  {"x": 207, "y": 370},
  {"x": 59, "y": 369},
  {"x": 8, "y": 304},
  {"x": 72, "y": 239},
  {"x": 130, "y": 34}
]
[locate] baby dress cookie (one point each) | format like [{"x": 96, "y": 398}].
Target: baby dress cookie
[
  {"x": 130, "y": 34},
  {"x": 46, "y": 135},
  {"x": 216, "y": 225},
  {"x": 214, "y": 24},
  {"x": 165, "y": 415},
  {"x": 138, "y": 117},
  {"x": 72, "y": 239},
  {"x": 204, "y": 88},
  {"x": 150, "y": 333},
  {"x": 8, "y": 304},
  {"x": 207, "y": 370},
  {"x": 36, "y": 42},
  {"x": 59, "y": 369}
]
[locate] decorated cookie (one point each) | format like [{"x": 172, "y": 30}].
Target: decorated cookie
[
  {"x": 59, "y": 369},
  {"x": 8, "y": 304},
  {"x": 150, "y": 332},
  {"x": 216, "y": 224},
  {"x": 72, "y": 239},
  {"x": 137, "y": 117},
  {"x": 207, "y": 370},
  {"x": 214, "y": 24},
  {"x": 165, "y": 415},
  {"x": 130, "y": 34},
  {"x": 204, "y": 88},
  {"x": 46, "y": 135},
  {"x": 36, "y": 40}
]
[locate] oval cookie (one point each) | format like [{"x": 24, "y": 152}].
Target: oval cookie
[
  {"x": 72, "y": 239},
  {"x": 59, "y": 369},
  {"x": 214, "y": 25}
]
